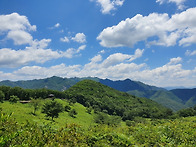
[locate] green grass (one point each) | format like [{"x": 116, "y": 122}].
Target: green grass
[{"x": 23, "y": 113}]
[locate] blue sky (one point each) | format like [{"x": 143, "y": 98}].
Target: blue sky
[{"x": 152, "y": 41}]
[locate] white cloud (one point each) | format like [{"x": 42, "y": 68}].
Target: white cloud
[
  {"x": 138, "y": 54},
  {"x": 20, "y": 37},
  {"x": 180, "y": 27},
  {"x": 189, "y": 53},
  {"x": 79, "y": 37},
  {"x": 65, "y": 39},
  {"x": 179, "y": 3},
  {"x": 108, "y": 5},
  {"x": 15, "y": 21},
  {"x": 37, "y": 53},
  {"x": 16, "y": 27},
  {"x": 175, "y": 60}
]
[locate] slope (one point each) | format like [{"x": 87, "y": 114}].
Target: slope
[{"x": 108, "y": 100}]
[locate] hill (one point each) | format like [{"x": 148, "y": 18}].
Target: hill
[{"x": 106, "y": 99}]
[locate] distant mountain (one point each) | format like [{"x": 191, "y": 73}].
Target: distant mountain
[
  {"x": 128, "y": 85},
  {"x": 188, "y": 96},
  {"x": 54, "y": 83},
  {"x": 175, "y": 99}
]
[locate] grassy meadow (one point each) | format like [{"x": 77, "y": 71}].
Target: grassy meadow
[{"x": 23, "y": 128}]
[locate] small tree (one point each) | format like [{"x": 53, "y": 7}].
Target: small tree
[
  {"x": 2, "y": 96},
  {"x": 52, "y": 109},
  {"x": 36, "y": 104},
  {"x": 13, "y": 99}
]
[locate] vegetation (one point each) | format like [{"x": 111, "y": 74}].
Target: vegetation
[
  {"x": 174, "y": 99},
  {"x": 91, "y": 114},
  {"x": 2, "y": 96},
  {"x": 13, "y": 99},
  {"x": 52, "y": 109},
  {"x": 178, "y": 132},
  {"x": 105, "y": 99}
]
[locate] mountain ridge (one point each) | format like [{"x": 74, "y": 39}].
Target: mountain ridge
[{"x": 175, "y": 99}]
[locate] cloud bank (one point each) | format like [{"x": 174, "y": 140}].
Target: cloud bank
[{"x": 178, "y": 29}]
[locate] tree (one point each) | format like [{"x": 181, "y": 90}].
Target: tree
[
  {"x": 2, "y": 96},
  {"x": 52, "y": 109},
  {"x": 13, "y": 99},
  {"x": 36, "y": 104}
]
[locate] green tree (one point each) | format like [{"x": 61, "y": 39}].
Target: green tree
[
  {"x": 13, "y": 99},
  {"x": 2, "y": 96},
  {"x": 52, "y": 109},
  {"x": 36, "y": 104}
]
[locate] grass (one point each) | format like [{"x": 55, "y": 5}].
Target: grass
[{"x": 23, "y": 113}]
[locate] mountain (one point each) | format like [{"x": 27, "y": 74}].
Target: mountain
[
  {"x": 54, "y": 83},
  {"x": 175, "y": 99},
  {"x": 106, "y": 99},
  {"x": 128, "y": 85},
  {"x": 188, "y": 96}
]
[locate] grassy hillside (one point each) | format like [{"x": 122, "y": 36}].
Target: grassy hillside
[{"x": 24, "y": 112}]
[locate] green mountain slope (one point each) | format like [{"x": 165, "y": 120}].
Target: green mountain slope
[{"x": 106, "y": 99}]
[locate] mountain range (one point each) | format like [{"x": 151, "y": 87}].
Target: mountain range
[{"x": 175, "y": 99}]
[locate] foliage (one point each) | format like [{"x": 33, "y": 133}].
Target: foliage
[
  {"x": 105, "y": 99},
  {"x": 187, "y": 112},
  {"x": 52, "y": 109},
  {"x": 73, "y": 113},
  {"x": 35, "y": 104},
  {"x": 13, "y": 99},
  {"x": 67, "y": 108},
  {"x": 2, "y": 96},
  {"x": 178, "y": 132},
  {"x": 103, "y": 118}
]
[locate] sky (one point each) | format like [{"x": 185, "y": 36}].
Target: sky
[{"x": 152, "y": 41}]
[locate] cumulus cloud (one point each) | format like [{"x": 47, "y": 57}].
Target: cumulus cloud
[
  {"x": 20, "y": 37},
  {"x": 79, "y": 37},
  {"x": 37, "y": 53},
  {"x": 108, "y": 5},
  {"x": 17, "y": 28},
  {"x": 179, "y": 28},
  {"x": 179, "y": 3}
]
